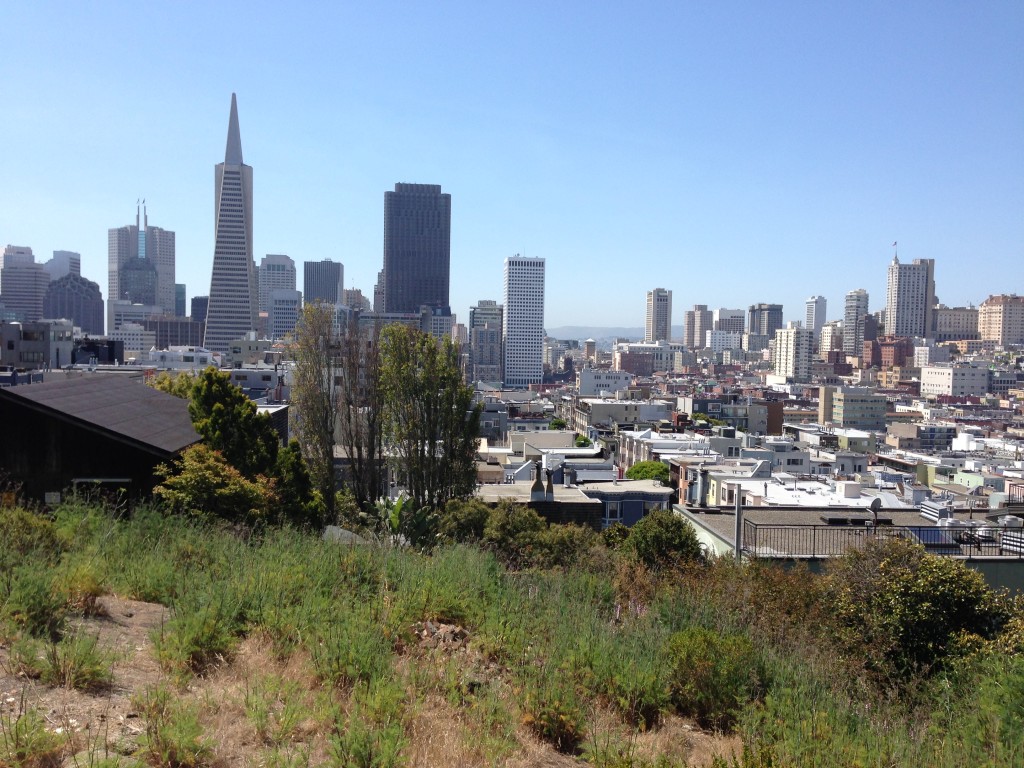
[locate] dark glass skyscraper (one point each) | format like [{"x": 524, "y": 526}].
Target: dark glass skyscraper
[{"x": 417, "y": 247}]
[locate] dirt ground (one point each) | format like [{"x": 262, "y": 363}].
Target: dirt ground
[{"x": 107, "y": 723}]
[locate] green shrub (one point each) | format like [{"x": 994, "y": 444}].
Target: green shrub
[
  {"x": 24, "y": 533},
  {"x": 32, "y": 604},
  {"x": 566, "y": 546},
  {"x": 78, "y": 662},
  {"x": 513, "y": 533},
  {"x": 372, "y": 734},
  {"x": 649, "y": 470},
  {"x": 553, "y": 709},
  {"x": 902, "y": 611},
  {"x": 663, "y": 539},
  {"x": 173, "y": 735},
  {"x": 350, "y": 649},
  {"x": 464, "y": 520},
  {"x": 197, "y": 636},
  {"x": 713, "y": 675}
]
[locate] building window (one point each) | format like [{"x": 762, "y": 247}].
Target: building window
[{"x": 612, "y": 513}]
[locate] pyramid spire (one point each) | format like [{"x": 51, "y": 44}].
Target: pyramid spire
[{"x": 233, "y": 152}]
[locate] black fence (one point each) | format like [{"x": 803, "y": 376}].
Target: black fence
[{"x": 812, "y": 541}]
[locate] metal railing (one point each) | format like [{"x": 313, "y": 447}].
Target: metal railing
[{"x": 813, "y": 541}]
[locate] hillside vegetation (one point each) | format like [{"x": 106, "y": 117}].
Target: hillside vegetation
[{"x": 165, "y": 640}]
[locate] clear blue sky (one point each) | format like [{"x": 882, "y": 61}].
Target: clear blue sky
[{"x": 731, "y": 152}]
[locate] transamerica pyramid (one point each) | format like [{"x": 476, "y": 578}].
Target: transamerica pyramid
[{"x": 233, "y": 299}]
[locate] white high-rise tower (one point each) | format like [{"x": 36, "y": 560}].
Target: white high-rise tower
[
  {"x": 523, "y": 326},
  {"x": 233, "y": 297},
  {"x": 910, "y": 298},
  {"x": 659, "y": 315}
]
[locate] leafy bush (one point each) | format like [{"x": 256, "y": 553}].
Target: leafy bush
[
  {"x": 464, "y": 520},
  {"x": 649, "y": 470},
  {"x": 513, "y": 533},
  {"x": 203, "y": 484},
  {"x": 663, "y": 539},
  {"x": 713, "y": 675},
  {"x": 25, "y": 534},
  {"x": 902, "y": 611}
]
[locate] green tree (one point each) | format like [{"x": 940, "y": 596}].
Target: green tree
[
  {"x": 663, "y": 539},
  {"x": 203, "y": 483},
  {"x": 315, "y": 396},
  {"x": 430, "y": 422},
  {"x": 294, "y": 487},
  {"x": 361, "y": 412},
  {"x": 649, "y": 470},
  {"x": 179, "y": 384},
  {"x": 230, "y": 423},
  {"x": 557, "y": 423},
  {"x": 583, "y": 442}
]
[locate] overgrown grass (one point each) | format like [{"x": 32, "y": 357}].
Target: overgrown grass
[{"x": 749, "y": 648}]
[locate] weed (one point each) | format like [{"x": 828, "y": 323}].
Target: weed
[
  {"x": 276, "y": 708},
  {"x": 197, "y": 636},
  {"x": 25, "y": 741},
  {"x": 78, "y": 662},
  {"x": 173, "y": 735},
  {"x": 371, "y": 735},
  {"x": 32, "y": 604},
  {"x": 713, "y": 675},
  {"x": 351, "y": 649}
]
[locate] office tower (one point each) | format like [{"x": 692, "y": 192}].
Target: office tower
[
  {"x": 378, "y": 293},
  {"x": 728, "y": 320},
  {"x": 199, "y": 305},
  {"x": 74, "y": 298},
  {"x": 276, "y": 272},
  {"x": 793, "y": 351},
  {"x": 659, "y": 315},
  {"x": 140, "y": 263},
  {"x": 910, "y": 298},
  {"x": 23, "y": 284},
  {"x": 417, "y": 247},
  {"x": 1001, "y": 319},
  {"x": 854, "y": 316},
  {"x": 354, "y": 299},
  {"x": 523, "y": 323},
  {"x": 15, "y": 254},
  {"x": 955, "y": 323},
  {"x": 764, "y": 319},
  {"x": 696, "y": 323},
  {"x": 179, "y": 299},
  {"x": 283, "y": 310},
  {"x": 325, "y": 281},
  {"x": 64, "y": 263},
  {"x": 485, "y": 337},
  {"x": 233, "y": 299},
  {"x": 815, "y": 314},
  {"x": 831, "y": 338}
]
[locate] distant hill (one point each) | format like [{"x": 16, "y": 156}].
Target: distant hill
[{"x": 598, "y": 333}]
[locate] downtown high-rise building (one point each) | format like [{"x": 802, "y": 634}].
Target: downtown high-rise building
[
  {"x": 728, "y": 320},
  {"x": 140, "y": 263},
  {"x": 485, "y": 340},
  {"x": 417, "y": 248},
  {"x": 855, "y": 315},
  {"x": 233, "y": 307},
  {"x": 764, "y": 319},
  {"x": 23, "y": 284},
  {"x": 793, "y": 353},
  {"x": 658, "y": 326},
  {"x": 323, "y": 281},
  {"x": 696, "y": 323},
  {"x": 814, "y": 314},
  {"x": 73, "y": 297},
  {"x": 523, "y": 324},
  {"x": 910, "y": 298},
  {"x": 276, "y": 272}
]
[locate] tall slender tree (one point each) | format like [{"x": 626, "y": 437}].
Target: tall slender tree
[
  {"x": 315, "y": 396},
  {"x": 430, "y": 422},
  {"x": 360, "y": 411}
]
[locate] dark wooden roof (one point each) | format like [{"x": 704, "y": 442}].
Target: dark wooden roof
[{"x": 113, "y": 403}]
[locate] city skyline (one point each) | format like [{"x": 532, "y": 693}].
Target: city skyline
[{"x": 793, "y": 144}]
